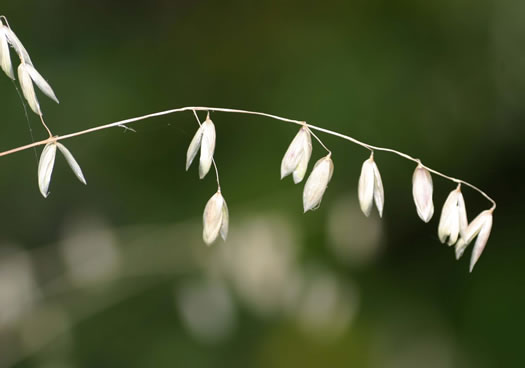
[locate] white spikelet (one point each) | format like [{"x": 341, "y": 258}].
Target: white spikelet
[
  {"x": 317, "y": 183},
  {"x": 449, "y": 221},
  {"x": 18, "y": 46},
  {"x": 5, "y": 57},
  {"x": 297, "y": 156},
  {"x": 28, "y": 90},
  {"x": 300, "y": 170},
  {"x": 481, "y": 240},
  {"x": 45, "y": 167},
  {"x": 473, "y": 229},
  {"x": 215, "y": 219},
  {"x": 422, "y": 192},
  {"x": 365, "y": 188},
  {"x": 370, "y": 188},
  {"x": 193, "y": 148},
  {"x": 72, "y": 162},
  {"x": 41, "y": 83},
  {"x": 207, "y": 147},
  {"x": 453, "y": 220},
  {"x": 205, "y": 140}
]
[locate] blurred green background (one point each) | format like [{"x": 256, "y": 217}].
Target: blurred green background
[{"x": 115, "y": 274}]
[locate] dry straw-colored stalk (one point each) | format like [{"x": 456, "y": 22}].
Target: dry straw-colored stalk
[{"x": 453, "y": 228}]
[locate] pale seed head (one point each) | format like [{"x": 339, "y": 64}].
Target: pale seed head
[
  {"x": 193, "y": 148},
  {"x": 27, "y": 74},
  {"x": 370, "y": 188},
  {"x": 47, "y": 162},
  {"x": 475, "y": 226},
  {"x": 204, "y": 139},
  {"x": 207, "y": 147},
  {"x": 422, "y": 192},
  {"x": 481, "y": 240},
  {"x": 449, "y": 221},
  {"x": 317, "y": 183},
  {"x": 297, "y": 156},
  {"x": 300, "y": 171},
  {"x": 40, "y": 82},
  {"x": 5, "y": 57},
  {"x": 26, "y": 84},
  {"x": 453, "y": 221},
  {"x": 45, "y": 167},
  {"x": 480, "y": 226},
  {"x": 73, "y": 164},
  {"x": 215, "y": 219},
  {"x": 365, "y": 188}
]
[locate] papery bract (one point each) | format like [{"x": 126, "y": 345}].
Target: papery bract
[
  {"x": 27, "y": 74},
  {"x": 453, "y": 221},
  {"x": 40, "y": 82},
  {"x": 297, "y": 156},
  {"x": 26, "y": 84},
  {"x": 205, "y": 140},
  {"x": 47, "y": 162},
  {"x": 317, "y": 183},
  {"x": 5, "y": 57},
  {"x": 480, "y": 226},
  {"x": 481, "y": 240},
  {"x": 370, "y": 188},
  {"x": 422, "y": 192},
  {"x": 215, "y": 219},
  {"x": 73, "y": 164},
  {"x": 45, "y": 167}
]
